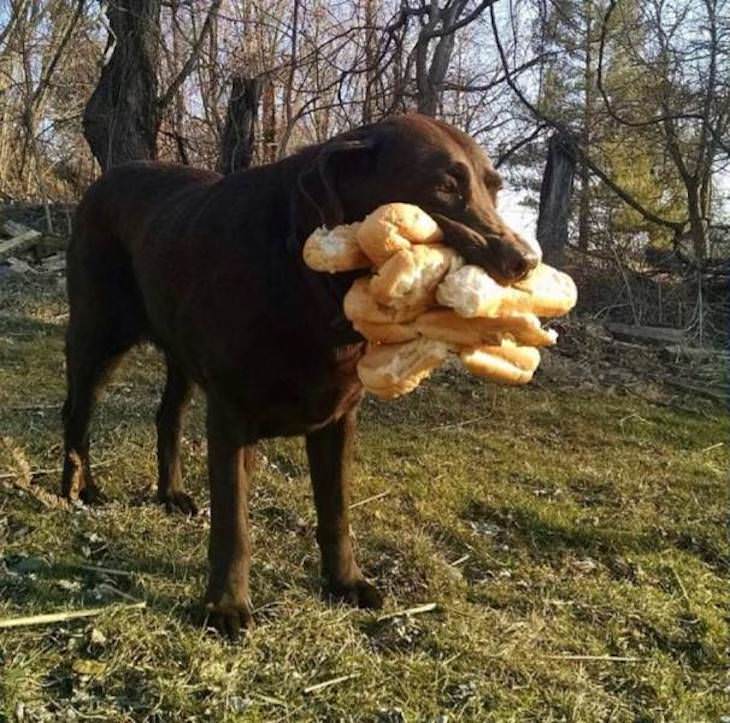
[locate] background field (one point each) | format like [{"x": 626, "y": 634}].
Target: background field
[{"x": 565, "y": 519}]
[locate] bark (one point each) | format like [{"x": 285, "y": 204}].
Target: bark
[
  {"x": 237, "y": 144},
  {"x": 584, "y": 205},
  {"x": 370, "y": 61},
  {"x": 121, "y": 118},
  {"x": 698, "y": 224},
  {"x": 555, "y": 195},
  {"x": 268, "y": 118}
]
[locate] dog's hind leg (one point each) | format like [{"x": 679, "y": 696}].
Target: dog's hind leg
[
  {"x": 175, "y": 399},
  {"x": 88, "y": 365},
  {"x": 330, "y": 452},
  {"x": 106, "y": 319}
]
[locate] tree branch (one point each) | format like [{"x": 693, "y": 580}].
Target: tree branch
[{"x": 189, "y": 64}]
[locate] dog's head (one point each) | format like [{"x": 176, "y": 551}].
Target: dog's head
[{"x": 415, "y": 159}]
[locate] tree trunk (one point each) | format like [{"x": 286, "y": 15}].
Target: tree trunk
[
  {"x": 370, "y": 61},
  {"x": 268, "y": 122},
  {"x": 698, "y": 225},
  {"x": 121, "y": 118},
  {"x": 237, "y": 144},
  {"x": 584, "y": 206},
  {"x": 555, "y": 195}
]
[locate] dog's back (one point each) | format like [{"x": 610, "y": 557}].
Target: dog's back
[{"x": 115, "y": 213}]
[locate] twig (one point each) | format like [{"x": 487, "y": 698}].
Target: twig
[
  {"x": 712, "y": 446},
  {"x": 681, "y": 587},
  {"x": 462, "y": 559},
  {"x": 609, "y": 658},
  {"x": 459, "y": 425},
  {"x": 55, "y": 470},
  {"x": 269, "y": 699},
  {"x": 329, "y": 683},
  {"x": 103, "y": 587},
  {"x": 633, "y": 415},
  {"x": 369, "y": 499},
  {"x": 105, "y": 570},
  {"x": 628, "y": 286},
  {"x": 66, "y": 615},
  {"x": 427, "y": 608}
]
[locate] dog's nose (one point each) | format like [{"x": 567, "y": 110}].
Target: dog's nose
[{"x": 515, "y": 259}]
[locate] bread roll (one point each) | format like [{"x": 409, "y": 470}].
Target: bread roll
[
  {"x": 385, "y": 333},
  {"x": 361, "y": 305},
  {"x": 390, "y": 370},
  {"x": 394, "y": 227},
  {"x": 334, "y": 250},
  {"x": 410, "y": 277},
  {"x": 471, "y": 292},
  {"x": 506, "y": 363},
  {"x": 552, "y": 292},
  {"x": 447, "y": 326}
]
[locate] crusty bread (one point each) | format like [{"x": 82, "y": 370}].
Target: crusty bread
[
  {"x": 335, "y": 250},
  {"x": 552, "y": 292},
  {"x": 447, "y": 326},
  {"x": 361, "y": 305},
  {"x": 471, "y": 292},
  {"x": 394, "y": 227},
  {"x": 506, "y": 363},
  {"x": 410, "y": 277},
  {"x": 385, "y": 333},
  {"x": 390, "y": 370},
  {"x": 494, "y": 329}
]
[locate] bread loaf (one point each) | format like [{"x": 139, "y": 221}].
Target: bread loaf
[
  {"x": 394, "y": 227},
  {"x": 391, "y": 370},
  {"x": 335, "y": 250}
]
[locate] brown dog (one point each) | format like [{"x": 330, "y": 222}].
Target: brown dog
[{"x": 210, "y": 270}]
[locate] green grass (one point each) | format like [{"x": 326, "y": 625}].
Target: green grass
[{"x": 594, "y": 525}]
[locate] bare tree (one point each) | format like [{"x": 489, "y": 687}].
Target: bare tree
[
  {"x": 123, "y": 115},
  {"x": 237, "y": 145}
]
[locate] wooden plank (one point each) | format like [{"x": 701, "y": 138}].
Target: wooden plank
[
  {"x": 648, "y": 334},
  {"x": 22, "y": 239}
]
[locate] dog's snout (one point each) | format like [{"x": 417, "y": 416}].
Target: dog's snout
[{"x": 515, "y": 258}]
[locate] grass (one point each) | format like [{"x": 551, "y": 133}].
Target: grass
[{"x": 547, "y": 524}]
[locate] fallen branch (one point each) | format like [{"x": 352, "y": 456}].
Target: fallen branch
[
  {"x": 54, "y": 470},
  {"x": 66, "y": 615},
  {"x": 649, "y": 334},
  {"x": 21, "y": 239},
  {"x": 105, "y": 570}
]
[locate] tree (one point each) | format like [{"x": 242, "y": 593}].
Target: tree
[
  {"x": 123, "y": 115},
  {"x": 121, "y": 118}
]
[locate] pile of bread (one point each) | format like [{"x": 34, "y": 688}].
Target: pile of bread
[{"x": 421, "y": 301}]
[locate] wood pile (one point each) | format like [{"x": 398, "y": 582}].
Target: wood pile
[{"x": 25, "y": 250}]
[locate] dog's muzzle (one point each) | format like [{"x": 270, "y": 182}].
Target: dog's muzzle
[{"x": 506, "y": 256}]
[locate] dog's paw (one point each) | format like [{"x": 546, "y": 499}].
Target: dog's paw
[
  {"x": 231, "y": 619},
  {"x": 89, "y": 495},
  {"x": 359, "y": 593},
  {"x": 179, "y": 502}
]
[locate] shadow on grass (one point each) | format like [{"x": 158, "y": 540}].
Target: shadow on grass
[{"x": 28, "y": 327}]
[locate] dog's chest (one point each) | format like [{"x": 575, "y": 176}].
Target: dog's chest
[{"x": 304, "y": 398}]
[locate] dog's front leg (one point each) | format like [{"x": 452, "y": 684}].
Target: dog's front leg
[
  {"x": 330, "y": 452},
  {"x": 229, "y": 549}
]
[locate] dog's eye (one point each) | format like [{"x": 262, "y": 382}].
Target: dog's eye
[{"x": 450, "y": 186}]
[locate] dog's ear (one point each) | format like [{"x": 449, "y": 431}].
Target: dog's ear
[{"x": 319, "y": 183}]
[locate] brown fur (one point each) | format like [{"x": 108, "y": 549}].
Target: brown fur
[{"x": 210, "y": 270}]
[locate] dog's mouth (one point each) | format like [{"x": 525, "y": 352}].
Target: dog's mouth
[{"x": 507, "y": 258}]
